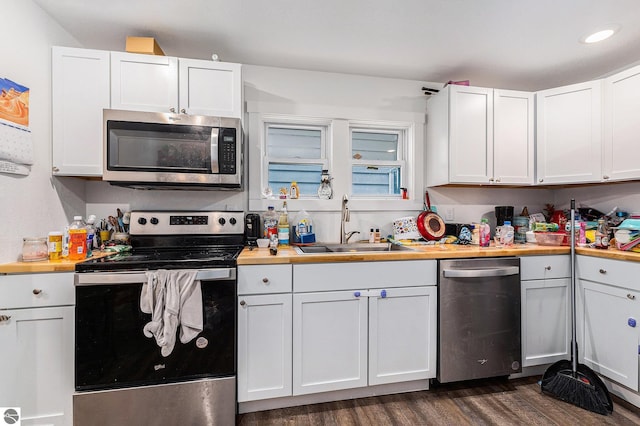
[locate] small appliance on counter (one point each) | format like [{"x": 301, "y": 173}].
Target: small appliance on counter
[
  {"x": 503, "y": 213},
  {"x": 252, "y": 229}
]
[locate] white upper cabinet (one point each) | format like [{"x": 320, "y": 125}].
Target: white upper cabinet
[
  {"x": 210, "y": 88},
  {"x": 167, "y": 84},
  {"x": 144, "y": 82},
  {"x": 569, "y": 137},
  {"x": 478, "y": 135},
  {"x": 621, "y": 125},
  {"x": 80, "y": 91}
]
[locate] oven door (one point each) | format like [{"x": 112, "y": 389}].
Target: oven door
[{"x": 111, "y": 350}]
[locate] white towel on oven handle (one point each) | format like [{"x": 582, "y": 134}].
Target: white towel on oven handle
[{"x": 180, "y": 297}]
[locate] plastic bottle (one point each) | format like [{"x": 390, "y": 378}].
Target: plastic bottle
[
  {"x": 506, "y": 234},
  {"x": 91, "y": 235},
  {"x": 372, "y": 236},
  {"x": 77, "y": 239},
  {"x": 485, "y": 233},
  {"x": 270, "y": 220},
  {"x": 377, "y": 236},
  {"x": 602, "y": 235},
  {"x": 283, "y": 226}
]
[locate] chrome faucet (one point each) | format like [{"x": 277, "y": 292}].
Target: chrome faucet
[{"x": 344, "y": 218}]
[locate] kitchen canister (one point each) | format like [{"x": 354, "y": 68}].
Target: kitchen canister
[
  {"x": 55, "y": 245},
  {"x": 521, "y": 226}
]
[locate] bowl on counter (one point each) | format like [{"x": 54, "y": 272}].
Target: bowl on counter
[
  {"x": 550, "y": 238},
  {"x": 262, "y": 242}
]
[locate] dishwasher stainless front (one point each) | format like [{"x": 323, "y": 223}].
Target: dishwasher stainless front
[{"x": 478, "y": 318}]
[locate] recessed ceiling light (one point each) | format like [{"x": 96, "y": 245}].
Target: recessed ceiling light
[{"x": 600, "y": 35}]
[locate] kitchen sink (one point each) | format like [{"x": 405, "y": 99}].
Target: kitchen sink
[{"x": 350, "y": 248}]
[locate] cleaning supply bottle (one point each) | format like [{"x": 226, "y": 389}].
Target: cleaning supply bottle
[
  {"x": 485, "y": 233},
  {"x": 91, "y": 235},
  {"x": 283, "y": 226},
  {"x": 270, "y": 221},
  {"x": 506, "y": 234},
  {"x": 77, "y": 239}
]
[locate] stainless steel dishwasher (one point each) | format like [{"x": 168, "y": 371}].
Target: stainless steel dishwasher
[{"x": 478, "y": 318}]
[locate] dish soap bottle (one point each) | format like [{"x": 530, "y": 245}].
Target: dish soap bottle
[
  {"x": 485, "y": 233},
  {"x": 283, "y": 226}
]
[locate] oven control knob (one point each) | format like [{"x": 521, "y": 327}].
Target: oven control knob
[
  {"x": 221, "y": 221},
  {"x": 154, "y": 221},
  {"x": 142, "y": 221},
  {"x": 232, "y": 221}
]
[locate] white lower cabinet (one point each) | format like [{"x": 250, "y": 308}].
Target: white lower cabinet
[
  {"x": 608, "y": 312},
  {"x": 546, "y": 309},
  {"x": 357, "y": 337},
  {"x": 36, "y": 338},
  {"x": 264, "y": 332}
]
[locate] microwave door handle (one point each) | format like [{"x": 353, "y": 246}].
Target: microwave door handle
[{"x": 215, "y": 166}]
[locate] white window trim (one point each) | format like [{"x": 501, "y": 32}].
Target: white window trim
[{"x": 338, "y": 145}]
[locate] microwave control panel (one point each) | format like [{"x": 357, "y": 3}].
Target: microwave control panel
[{"x": 227, "y": 151}]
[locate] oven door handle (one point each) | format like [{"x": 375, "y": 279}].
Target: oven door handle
[{"x": 99, "y": 278}]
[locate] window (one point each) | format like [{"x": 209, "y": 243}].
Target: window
[
  {"x": 295, "y": 153},
  {"x": 377, "y": 161}
]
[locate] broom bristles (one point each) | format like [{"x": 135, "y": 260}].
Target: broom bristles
[{"x": 574, "y": 391}]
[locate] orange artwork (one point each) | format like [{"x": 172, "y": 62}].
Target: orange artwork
[{"x": 14, "y": 102}]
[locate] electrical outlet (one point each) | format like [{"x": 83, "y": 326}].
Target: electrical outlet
[{"x": 449, "y": 214}]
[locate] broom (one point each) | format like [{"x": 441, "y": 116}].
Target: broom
[{"x": 567, "y": 380}]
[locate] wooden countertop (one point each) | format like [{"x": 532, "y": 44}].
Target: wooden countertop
[
  {"x": 258, "y": 256},
  {"x": 63, "y": 265}
]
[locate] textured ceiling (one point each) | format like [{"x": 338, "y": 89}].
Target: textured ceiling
[{"x": 510, "y": 44}]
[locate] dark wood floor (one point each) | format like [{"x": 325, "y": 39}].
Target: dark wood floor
[{"x": 487, "y": 402}]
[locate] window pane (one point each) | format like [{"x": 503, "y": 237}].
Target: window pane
[
  {"x": 369, "y": 180},
  {"x": 307, "y": 176},
  {"x": 284, "y": 142},
  {"x": 374, "y": 146}
]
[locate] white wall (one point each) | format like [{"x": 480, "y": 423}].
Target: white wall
[{"x": 35, "y": 204}]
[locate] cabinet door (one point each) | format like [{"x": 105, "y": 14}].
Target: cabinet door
[
  {"x": 80, "y": 91},
  {"x": 329, "y": 341},
  {"x": 144, "y": 82},
  {"x": 402, "y": 335},
  {"x": 471, "y": 134},
  {"x": 37, "y": 364},
  {"x": 621, "y": 125},
  {"x": 210, "y": 88},
  {"x": 546, "y": 326},
  {"x": 513, "y": 141},
  {"x": 264, "y": 347},
  {"x": 569, "y": 137},
  {"x": 609, "y": 335}
]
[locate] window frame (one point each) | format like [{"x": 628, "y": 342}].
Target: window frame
[{"x": 402, "y": 133}]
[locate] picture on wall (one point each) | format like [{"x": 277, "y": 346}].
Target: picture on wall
[{"x": 16, "y": 146}]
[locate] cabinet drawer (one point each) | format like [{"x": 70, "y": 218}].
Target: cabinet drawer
[
  {"x": 545, "y": 267},
  {"x": 618, "y": 273},
  {"x": 36, "y": 290},
  {"x": 257, "y": 279},
  {"x": 364, "y": 275}
]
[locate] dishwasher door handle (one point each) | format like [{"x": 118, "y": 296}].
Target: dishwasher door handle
[{"x": 480, "y": 273}]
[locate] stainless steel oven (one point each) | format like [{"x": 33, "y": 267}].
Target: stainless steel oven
[
  {"x": 122, "y": 375},
  {"x": 160, "y": 150}
]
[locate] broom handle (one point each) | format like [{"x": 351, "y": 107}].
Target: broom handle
[{"x": 572, "y": 244}]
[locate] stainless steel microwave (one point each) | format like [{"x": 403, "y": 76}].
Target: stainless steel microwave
[{"x": 152, "y": 150}]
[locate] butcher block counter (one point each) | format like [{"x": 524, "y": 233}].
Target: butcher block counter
[{"x": 63, "y": 265}]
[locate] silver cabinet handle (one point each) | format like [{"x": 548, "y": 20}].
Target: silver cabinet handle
[
  {"x": 5, "y": 318},
  {"x": 37, "y": 291},
  {"x": 605, "y": 177},
  {"x": 631, "y": 296},
  {"x": 548, "y": 268},
  {"x": 498, "y": 179},
  {"x": 603, "y": 271},
  {"x": 183, "y": 111},
  {"x": 490, "y": 179},
  {"x": 540, "y": 180},
  {"x": 172, "y": 110},
  {"x": 55, "y": 169},
  {"x": 242, "y": 303},
  {"x": 265, "y": 280}
]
